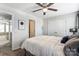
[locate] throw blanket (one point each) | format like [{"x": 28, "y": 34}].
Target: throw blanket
[{"x": 72, "y": 47}]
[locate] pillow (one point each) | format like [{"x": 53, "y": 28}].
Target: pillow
[{"x": 65, "y": 39}]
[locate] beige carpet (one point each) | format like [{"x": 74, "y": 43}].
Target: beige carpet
[
  {"x": 18, "y": 52},
  {"x": 6, "y": 51}
]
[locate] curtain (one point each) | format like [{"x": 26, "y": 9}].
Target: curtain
[{"x": 77, "y": 21}]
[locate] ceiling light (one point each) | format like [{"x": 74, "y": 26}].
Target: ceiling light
[{"x": 45, "y": 9}]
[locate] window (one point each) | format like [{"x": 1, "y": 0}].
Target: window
[
  {"x": 1, "y": 27},
  {"x": 7, "y": 28}
]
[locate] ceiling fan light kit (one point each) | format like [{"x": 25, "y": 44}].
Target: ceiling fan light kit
[{"x": 45, "y": 7}]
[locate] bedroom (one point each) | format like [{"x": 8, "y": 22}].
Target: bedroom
[{"x": 49, "y": 27}]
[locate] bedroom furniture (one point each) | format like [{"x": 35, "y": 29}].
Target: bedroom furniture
[
  {"x": 3, "y": 42},
  {"x": 73, "y": 30},
  {"x": 4, "y": 39},
  {"x": 44, "y": 46},
  {"x": 72, "y": 47},
  {"x": 67, "y": 38}
]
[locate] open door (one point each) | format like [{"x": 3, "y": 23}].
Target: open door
[{"x": 31, "y": 28}]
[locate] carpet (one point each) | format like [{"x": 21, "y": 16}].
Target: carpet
[{"x": 18, "y": 52}]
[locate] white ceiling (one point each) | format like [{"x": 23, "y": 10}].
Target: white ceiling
[
  {"x": 5, "y": 16},
  {"x": 63, "y": 8}
]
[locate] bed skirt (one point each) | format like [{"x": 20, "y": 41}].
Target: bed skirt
[{"x": 28, "y": 53}]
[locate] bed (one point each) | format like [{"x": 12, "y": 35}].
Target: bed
[
  {"x": 3, "y": 42},
  {"x": 3, "y": 39},
  {"x": 44, "y": 46},
  {"x": 71, "y": 47}
]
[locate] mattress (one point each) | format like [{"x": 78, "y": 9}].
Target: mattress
[
  {"x": 3, "y": 42},
  {"x": 44, "y": 46}
]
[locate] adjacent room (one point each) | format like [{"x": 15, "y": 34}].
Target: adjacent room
[
  {"x": 39, "y": 29},
  {"x": 5, "y": 31}
]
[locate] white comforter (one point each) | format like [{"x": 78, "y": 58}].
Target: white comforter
[{"x": 44, "y": 46}]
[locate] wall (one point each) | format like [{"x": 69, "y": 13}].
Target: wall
[
  {"x": 45, "y": 27},
  {"x": 60, "y": 25},
  {"x": 20, "y": 35}
]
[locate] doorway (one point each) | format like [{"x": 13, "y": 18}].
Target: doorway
[
  {"x": 31, "y": 28},
  {"x": 5, "y": 32}
]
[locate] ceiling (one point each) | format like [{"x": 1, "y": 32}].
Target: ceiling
[
  {"x": 63, "y": 8},
  {"x": 5, "y": 16}
]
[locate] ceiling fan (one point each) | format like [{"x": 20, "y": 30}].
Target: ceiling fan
[{"x": 45, "y": 7}]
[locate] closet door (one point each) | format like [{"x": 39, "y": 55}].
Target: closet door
[{"x": 56, "y": 27}]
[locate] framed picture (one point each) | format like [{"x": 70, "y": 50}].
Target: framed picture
[{"x": 20, "y": 24}]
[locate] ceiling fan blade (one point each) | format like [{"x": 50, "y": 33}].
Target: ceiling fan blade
[
  {"x": 52, "y": 9},
  {"x": 40, "y": 4},
  {"x": 37, "y": 10},
  {"x": 49, "y": 4}
]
